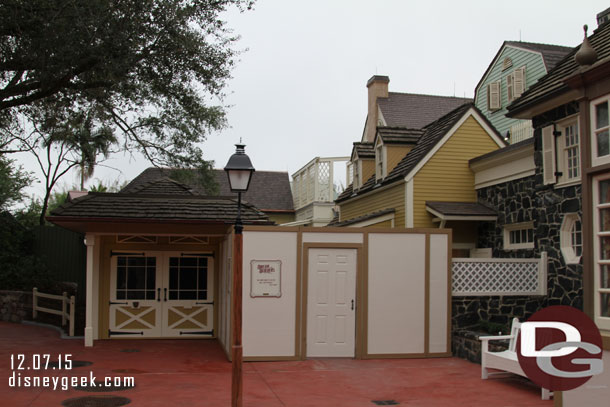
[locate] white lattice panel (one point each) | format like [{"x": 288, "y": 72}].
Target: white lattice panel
[
  {"x": 323, "y": 193},
  {"x": 499, "y": 276}
]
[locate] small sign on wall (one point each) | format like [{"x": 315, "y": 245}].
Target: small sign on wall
[{"x": 266, "y": 276}]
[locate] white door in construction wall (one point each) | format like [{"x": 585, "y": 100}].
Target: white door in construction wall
[{"x": 331, "y": 308}]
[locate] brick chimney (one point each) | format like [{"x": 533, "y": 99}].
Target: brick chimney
[{"x": 378, "y": 88}]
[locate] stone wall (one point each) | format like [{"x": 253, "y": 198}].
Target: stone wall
[
  {"x": 15, "y": 306},
  {"x": 467, "y": 312},
  {"x": 523, "y": 200},
  {"x": 466, "y": 345}
]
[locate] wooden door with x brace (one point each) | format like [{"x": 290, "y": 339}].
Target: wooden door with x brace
[{"x": 161, "y": 294}]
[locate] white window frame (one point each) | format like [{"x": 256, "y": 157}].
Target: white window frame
[
  {"x": 555, "y": 153},
  {"x": 357, "y": 169},
  {"x": 601, "y": 322},
  {"x": 513, "y": 227},
  {"x": 595, "y": 159},
  {"x": 563, "y": 151},
  {"x": 380, "y": 161},
  {"x": 567, "y": 236}
]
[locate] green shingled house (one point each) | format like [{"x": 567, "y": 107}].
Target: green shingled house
[{"x": 516, "y": 67}]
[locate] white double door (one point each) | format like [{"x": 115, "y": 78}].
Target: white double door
[
  {"x": 161, "y": 294},
  {"x": 331, "y": 307}
]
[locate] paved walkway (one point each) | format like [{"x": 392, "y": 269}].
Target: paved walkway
[{"x": 176, "y": 373}]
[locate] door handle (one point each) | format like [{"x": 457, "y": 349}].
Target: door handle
[
  {"x": 165, "y": 294},
  {"x": 352, "y": 305},
  {"x": 158, "y": 294}
]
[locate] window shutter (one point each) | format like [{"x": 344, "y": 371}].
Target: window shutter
[
  {"x": 509, "y": 87},
  {"x": 493, "y": 93},
  {"x": 548, "y": 155},
  {"x": 519, "y": 82}
]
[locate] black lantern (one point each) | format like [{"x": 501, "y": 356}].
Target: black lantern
[{"x": 239, "y": 169}]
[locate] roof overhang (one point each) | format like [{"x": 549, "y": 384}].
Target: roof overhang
[
  {"x": 590, "y": 74},
  {"x": 454, "y": 214},
  {"x": 126, "y": 225},
  {"x": 553, "y": 99}
]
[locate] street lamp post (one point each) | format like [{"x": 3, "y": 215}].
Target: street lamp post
[{"x": 239, "y": 170}]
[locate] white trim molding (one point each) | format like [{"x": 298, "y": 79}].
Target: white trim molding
[
  {"x": 91, "y": 243},
  {"x": 409, "y": 203},
  {"x": 571, "y": 238},
  {"x": 524, "y": 238}
]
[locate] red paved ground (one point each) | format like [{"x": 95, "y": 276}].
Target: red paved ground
[{"x": 175, "y": 373}]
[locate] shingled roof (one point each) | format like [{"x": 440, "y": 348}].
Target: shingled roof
[
  {"x": 432, "y": 134},
  {"x": 363, "y": 149},
  {"x": 269, "y": 190},
  {"x": 399, "y": 135},
  {"x": 372, "y": 215},
  {"x": 414, "y": 111},
  {"x": 551, "y": 54},
  {"x": 552, "y": 83},
  {"x": 467, "y": 209},
  {"x": 163, "y": 186},
  {"x": 141, "y": 207}
]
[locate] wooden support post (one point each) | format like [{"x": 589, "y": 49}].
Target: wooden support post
[
  {"x": 34, "y": 302},
  {"x": 236, "y": 316},
  {"x": 90, "y": 242},
  {"x": 72, "y": 306},
  {"x": 64, "y": 311}
]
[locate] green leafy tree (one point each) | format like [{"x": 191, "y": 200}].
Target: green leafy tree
[
  {"x": 88, "y": 140},
  {"x": 154, "y": 66},
  {"x": 61, "y": 140},
  {"x": 12, "y": 181}
]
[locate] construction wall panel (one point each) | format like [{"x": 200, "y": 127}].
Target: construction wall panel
[
  {"x": 269, "y": 322},
  {"x": 396, "y": 293}
]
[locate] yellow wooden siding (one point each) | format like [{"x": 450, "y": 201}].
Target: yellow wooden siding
[
  {"x": 395, "y": 153},
  {"x": 447, "y": 176},
  {"x": 368, "y": 169},
  {"x": 280, "y": 218},
  {"x": 393, "y": 197}
]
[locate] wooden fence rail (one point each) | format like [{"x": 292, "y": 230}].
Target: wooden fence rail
[{"x": 65, "y": 301}]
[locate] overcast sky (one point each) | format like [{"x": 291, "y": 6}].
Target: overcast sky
[{"x": 299, "y": 91}]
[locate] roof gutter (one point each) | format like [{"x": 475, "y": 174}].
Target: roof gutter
[
  {"x": 527, "y": 111},
  {"x": 56, "y": 219}
]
